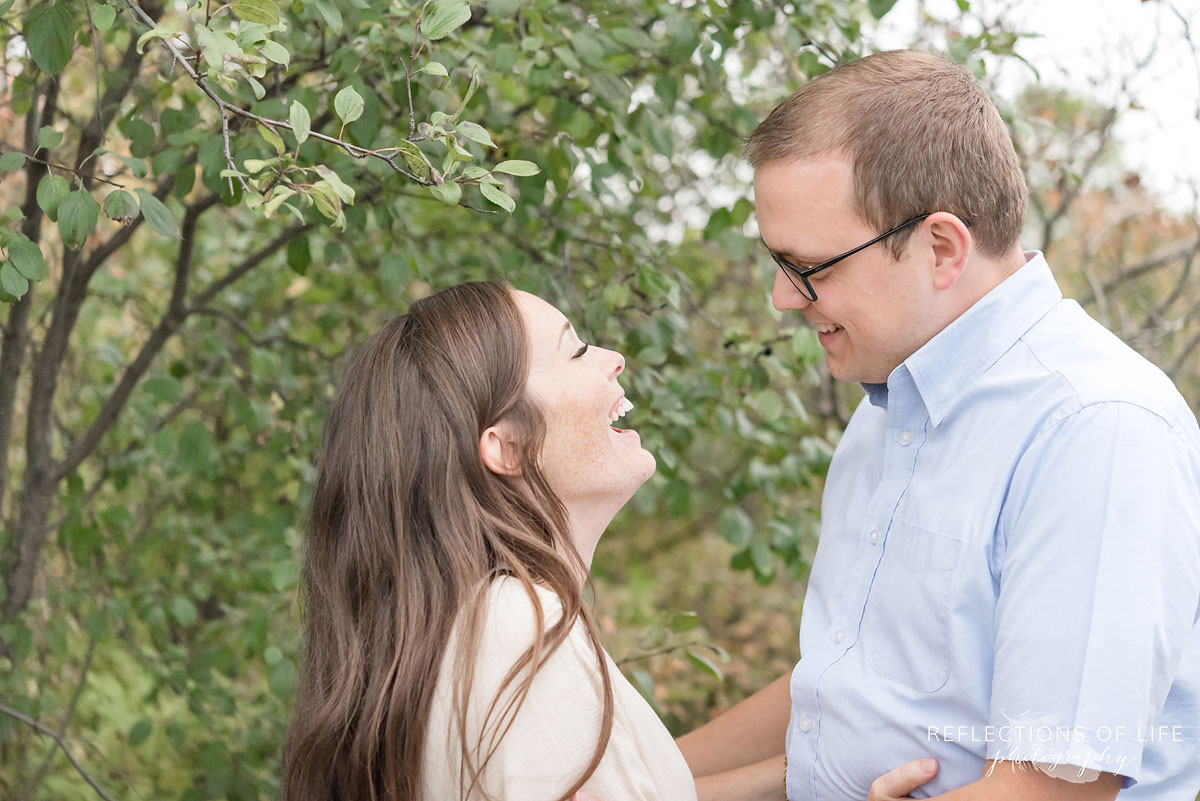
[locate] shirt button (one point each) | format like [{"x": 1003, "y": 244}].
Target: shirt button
[
  {"x": 905, "y": 438},
  {"x": 874, "y": 536},
  {"x": 805, "y": 723},
  {"x": 839, "y": 635}
]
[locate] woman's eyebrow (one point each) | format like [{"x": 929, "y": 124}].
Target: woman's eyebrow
[{"x": 566, "y": 327}]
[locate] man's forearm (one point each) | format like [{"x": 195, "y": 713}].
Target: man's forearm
[{"x": 750, "y": 732}]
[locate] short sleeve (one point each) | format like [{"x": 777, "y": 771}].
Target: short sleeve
[
  {"x": 1099, "y": 590},
  {"x": 554, "y": 732}
]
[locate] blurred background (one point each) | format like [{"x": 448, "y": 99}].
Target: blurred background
[{"x": 207, "y": 207}]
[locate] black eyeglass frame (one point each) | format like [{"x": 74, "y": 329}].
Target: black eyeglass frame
[{"x": 803, "y": 273}]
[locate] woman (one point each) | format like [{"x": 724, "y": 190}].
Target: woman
[{"x": 468, "y": 468}]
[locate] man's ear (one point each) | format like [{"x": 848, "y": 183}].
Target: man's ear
[
  {"x": 952, "y": 245},
  {"x": 498, "y": 450}
]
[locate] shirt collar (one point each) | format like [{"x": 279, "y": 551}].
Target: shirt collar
[{"x": 962, "y": 351}]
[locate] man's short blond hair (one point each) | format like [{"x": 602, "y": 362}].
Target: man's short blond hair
[{"x": 922, "y": 136}]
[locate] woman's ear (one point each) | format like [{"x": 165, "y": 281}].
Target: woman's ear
[{"x": 499, "y": 452}]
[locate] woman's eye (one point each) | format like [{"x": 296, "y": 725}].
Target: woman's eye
[{"x": 581, "y": 351}]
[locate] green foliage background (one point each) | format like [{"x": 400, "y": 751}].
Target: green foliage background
[{"x": 207, "y": 206}]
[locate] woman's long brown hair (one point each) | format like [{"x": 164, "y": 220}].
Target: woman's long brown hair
[{"x": 406, "y": 528}]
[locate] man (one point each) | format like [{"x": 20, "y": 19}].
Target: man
[{"x": 1008, "y": 574}]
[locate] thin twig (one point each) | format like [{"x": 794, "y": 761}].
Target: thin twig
[
  {"x": 63, "y": 167},
  {"x": 228, "y": 108},
  {"x": 40, "y": 774},
  {"x": 8, "y": 710}
]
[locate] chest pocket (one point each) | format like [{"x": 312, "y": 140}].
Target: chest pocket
[{"x": 907, "y": 619}]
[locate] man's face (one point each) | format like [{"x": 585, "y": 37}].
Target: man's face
[{"x": 870, "y": 311}]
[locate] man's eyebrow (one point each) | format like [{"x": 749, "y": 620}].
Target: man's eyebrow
[{"x": 786, "y": 255}]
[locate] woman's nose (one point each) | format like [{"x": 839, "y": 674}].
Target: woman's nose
[{"x": 620, "y": 363}]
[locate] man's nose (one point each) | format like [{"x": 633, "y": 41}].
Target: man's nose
[{"x": 784, "y": 294}]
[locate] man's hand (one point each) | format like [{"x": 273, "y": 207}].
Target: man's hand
[{"x": 899, "y": 782}]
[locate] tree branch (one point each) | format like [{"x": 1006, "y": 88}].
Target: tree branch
[
  {"x": 1160, "y": 258},
  {"x": 246, "y": 266},
  {"x": 174, "y": 315},
  {"x": 16, "y": 329}
]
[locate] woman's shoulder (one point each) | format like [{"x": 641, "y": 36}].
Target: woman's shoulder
[{"x": 511, "y": 619}]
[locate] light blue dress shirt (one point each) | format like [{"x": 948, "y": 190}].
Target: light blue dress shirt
[{"x": 1009, "y": 564}]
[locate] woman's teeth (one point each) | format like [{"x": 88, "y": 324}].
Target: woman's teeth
[
  {"x": 622, "y": 408},
  {"x": 827, "y": 328}
]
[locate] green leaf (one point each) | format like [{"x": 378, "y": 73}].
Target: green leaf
[
  {"x": 503, "y": 9},
  {"x": 264, "y": 12},
  {"x": 299, "y": 255},
  {"x": 281, "y": 678},
  {"x": 183, "y": 610},
  {"x": 517, "y": 167},
  {"x": 645, "y": 685},
  {"x": 27, "y": 258},
  {"x": 327, "y": 200},
  {"x": 282, "y": 193},
  {"x": 195, "y": 446},
  {"x": 497, "y": 195},
  {"x": 157, "y": 214},
  {"x": 77, "y": 216},
  {"x": 449, "y": 192},
  {"x": 50, "y": 193},
  {"x": 587, "y": 46},
  {"x": 139, "y": 733},
  {"x": 477, "y": 173},
  {"x": 345, "y": 192},
  {"x": 119, "y": 206},
  {"x": 136, "y": 166},
  {"x": 12, "y": 161},
  {"x": 48, "y": 137},
  {"x": 348, "y": 104},
  {"x": 329, "y": 12},
  {"x": 273, "y": 51},
  {"x": 300, "y": 121},
  {"x": 12, "y": 281},
  {"x": 414, "y": 159},
  {"x": 150, "y": 35},
  {"x": 769, "y": 403},
  {"x": 880, "y": 7},
  {"x": 476, "y": 133},
  {"x": 435, "y": 68},
  {"x": 50, "y": 36},
  {"x": 704, "y": 663},
  {"x": 735, "y": 526},
  {"x": 684, "y": 621},
  {"x": 163, "y": 388},
  {"x": 141, "y": 136},
  {"x": 103, "y": 17},
  {"x": 442, "y": 17},
  {"x": 272, "y": 138}
]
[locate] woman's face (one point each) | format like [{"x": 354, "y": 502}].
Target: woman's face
[{"x": 585, "y": 459}]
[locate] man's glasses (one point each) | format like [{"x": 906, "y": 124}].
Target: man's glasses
[{"x": 803, "y": 286}]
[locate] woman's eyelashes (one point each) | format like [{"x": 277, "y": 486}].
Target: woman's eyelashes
[{"x": 581, "y": 351}]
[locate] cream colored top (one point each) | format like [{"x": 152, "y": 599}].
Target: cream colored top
[{"x": 556, "y": 728}]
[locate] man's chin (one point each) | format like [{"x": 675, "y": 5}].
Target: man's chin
[{"x": 854, "y": 374}]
